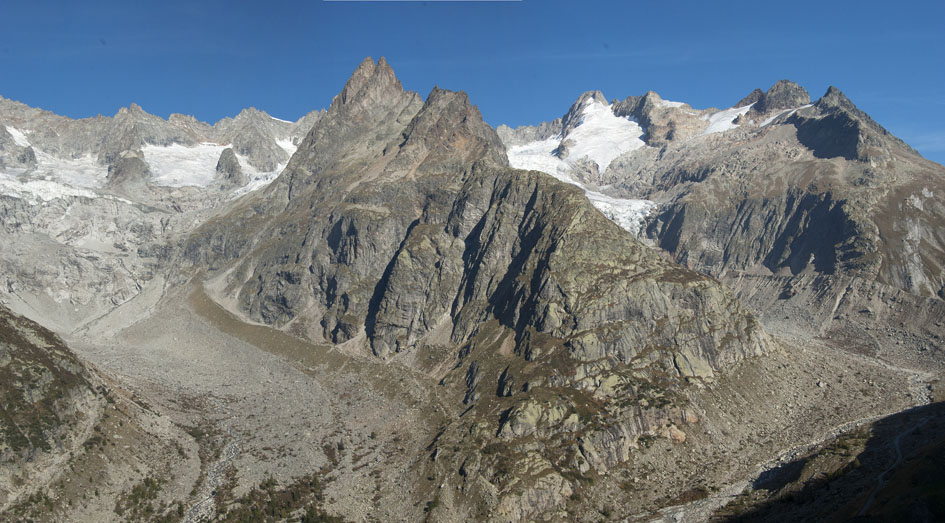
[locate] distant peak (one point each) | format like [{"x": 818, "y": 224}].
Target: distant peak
[
  {"x": 369, "y": 79},
  {"x": 132, "y": 109},
  {"x": 652, "y": 96},
  {"x": 784, "y": 94},
  {"x": 752, "y": 97},
  {"x": 251, "y": 112},
  {"x": 834, "y": 98},
  {"x": 588, "y": 97},
  {"x": 575, "y": 113}
]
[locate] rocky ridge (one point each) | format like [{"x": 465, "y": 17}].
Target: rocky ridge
[
  {"x": 816, "y": 200},
  {"x": 419, "y": 236},
  {"x": 480, "y": 337}
]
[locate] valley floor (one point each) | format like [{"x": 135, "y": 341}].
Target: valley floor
[{"x": 263, "y": 404}]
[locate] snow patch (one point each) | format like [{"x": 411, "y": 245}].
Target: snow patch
[
  {"x": 280, "y": 119},
  {"x": 257, "y": 180},
  {"x": 287, "y": 146},
  {"x": 667, "y": 103},
  {"x": 18, "y": 137},
  {"x": 628, "y": 213},
  {"x": 84, "y": 171},
  {"x": 721, "y": 121},
  {"x": 36, "y": 191},
  {"x": 784, "y": 112}
]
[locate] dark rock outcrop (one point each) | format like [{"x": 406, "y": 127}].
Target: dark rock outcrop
[
  {"x": 229, "y": 169},
  {"x": 751, "y": 98},
  {"x": 784, "y": 94}
]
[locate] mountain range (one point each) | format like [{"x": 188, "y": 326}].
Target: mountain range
[{"x": 389, "y": 310}]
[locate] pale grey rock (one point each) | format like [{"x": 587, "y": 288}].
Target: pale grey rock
[
  {"x": 253, "y": 134},
  {"x": 128, "y": 171},
  {"x": 662, "y": 124}
]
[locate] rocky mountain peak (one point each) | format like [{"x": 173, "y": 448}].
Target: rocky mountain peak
[
  {"x": 449, "y": 134},
  {"x": 834, "y": 127},
  {"x": 752, "y": 97},
  {"x": 364, "y": 118},
  {"x": 133, "y": 109},
  {"x": 251, "y": 113},
  {"x": 369, "y": 82},
  {"x": 784, "y": 94},
  {"x": 834, "y": 99},
  {"x": 229, "y": 169}
]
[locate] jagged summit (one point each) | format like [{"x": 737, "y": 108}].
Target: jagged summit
[
  {"x": 370, "y": 82},
  {"x": 371, "y": 110},
  {"x": 835, "y": 127},
  {"x": 575, "y": 114},
  {"x": 784, "y": 94},
  {"x": 751, "y": 98}
]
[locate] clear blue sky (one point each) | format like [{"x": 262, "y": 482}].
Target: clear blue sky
[{"x": 521, "y": 62}]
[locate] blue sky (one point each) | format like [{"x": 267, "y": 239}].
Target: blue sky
[{"x": 521, "y": 62}]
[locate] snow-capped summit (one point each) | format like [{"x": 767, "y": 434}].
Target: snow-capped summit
[{"x": 591, "y": 137}]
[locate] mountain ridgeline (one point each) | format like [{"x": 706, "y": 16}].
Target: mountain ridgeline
[{"x": 402, "y": 313}]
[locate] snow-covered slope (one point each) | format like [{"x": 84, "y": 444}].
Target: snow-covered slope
[
  {"x": 722, "y": 121},
  {"x": 171, "y": 166},
  {"x": 599, "y": 137}
]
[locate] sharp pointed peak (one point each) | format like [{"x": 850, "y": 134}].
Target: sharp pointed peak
[
  {"x": 588, "y": 97},
  {"x": 834, "y": 96},
  {"x": 250, "y": 112},
  {"x": 751, "y": 98},
  {"x": 369, "y": 76}
]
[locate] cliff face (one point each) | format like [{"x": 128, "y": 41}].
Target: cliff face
[
  {"x": 391, "y": 232},
  {"x": 400, "y": 225}
]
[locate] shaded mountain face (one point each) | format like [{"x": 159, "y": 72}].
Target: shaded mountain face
[{"x": 423, "y": 225}]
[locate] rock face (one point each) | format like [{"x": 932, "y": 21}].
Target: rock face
[
  {"x": 662, "y": 122},
  {"x": 784, "y": 94},
  {"x": 398, "y": 222},
  {"x": 128, "y": 171},
  {"x": 229, "y": 169},
  {"x": 811, "y": 212}
]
